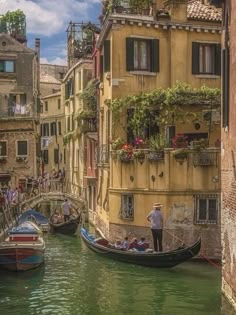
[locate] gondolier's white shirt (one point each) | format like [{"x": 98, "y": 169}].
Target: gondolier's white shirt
[
  {"x": 156, "y": 219},
  {"x": 66, "y": 208}
]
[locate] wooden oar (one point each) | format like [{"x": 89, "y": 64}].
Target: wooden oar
[{"x": 206, "y": 258}]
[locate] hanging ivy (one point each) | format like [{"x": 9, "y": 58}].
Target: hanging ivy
[
  {"x": 170, "y": 104},
  {"x": 89, "y": 95}
]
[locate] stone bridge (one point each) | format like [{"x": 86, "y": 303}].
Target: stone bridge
[{"x": 76, "y": 201}]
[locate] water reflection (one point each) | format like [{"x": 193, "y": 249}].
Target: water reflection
[{"x": 76, "y": 281}]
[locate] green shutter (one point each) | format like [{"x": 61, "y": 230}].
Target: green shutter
[
  {"x": 218, "y": 59},
  {"x": 101, "y": 68},
  {"x": 195, "y": 58},
  {"x": 129, "y": 54},
  {"x": 155, "y": 56},
  {"x": 107, "y": 55},
  {"x": 226, "y": 88}
]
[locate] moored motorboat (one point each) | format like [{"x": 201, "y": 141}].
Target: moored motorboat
[
  {"x": 68, "y": 227},
  {"x": 23, "y": 249},
  {"x": 151, "y": 259},
  {"x": 36, "y": 217}
]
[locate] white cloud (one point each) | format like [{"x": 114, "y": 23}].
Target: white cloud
[
  {"x": 55, "y": 61},
  {"x": 46, "y": 17}
]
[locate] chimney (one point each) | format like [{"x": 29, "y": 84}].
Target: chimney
[
  {"x": 177, "y": 10},
  {"x": 37, "y": 46}
]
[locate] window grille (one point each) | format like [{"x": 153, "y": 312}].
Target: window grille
[
  {"x": 206, "y": 209},
  {"x": 127, "y": 207}
]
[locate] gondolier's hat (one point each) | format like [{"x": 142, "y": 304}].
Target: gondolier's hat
[{"x": 157, "y": 205}]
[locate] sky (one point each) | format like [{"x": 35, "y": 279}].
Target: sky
[{"x": 48, "y": 20}]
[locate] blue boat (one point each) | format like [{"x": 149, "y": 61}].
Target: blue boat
[
  {"x": 36, "y": 217},
  {"x": 23, "y": 249}
]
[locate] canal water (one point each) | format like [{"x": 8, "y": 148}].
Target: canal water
[{"x": 76, "y": 281}]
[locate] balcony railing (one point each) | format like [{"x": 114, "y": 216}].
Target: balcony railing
[
  {"x": 17, "y": 111},
  {"x": 205, "y": 159},
  {"x": 89, "y": 125}
]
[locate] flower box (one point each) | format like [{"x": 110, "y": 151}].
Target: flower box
[{"x": 156, "y": 155}]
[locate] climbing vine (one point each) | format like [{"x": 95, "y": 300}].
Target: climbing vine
[
  {"x": 89, "y": 95},
  {"x": 170, "y": 104}
]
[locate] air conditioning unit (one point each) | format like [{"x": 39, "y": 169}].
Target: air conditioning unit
[{"x": 211, "y": 115}]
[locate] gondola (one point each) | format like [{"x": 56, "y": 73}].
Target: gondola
[
  {"x": 23, "y": 249},
  {"x": 68, "y": 227},
  {"x": 157, "y": 260}
]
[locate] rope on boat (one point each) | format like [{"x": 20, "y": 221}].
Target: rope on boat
[{"x": 205, "y": 257}]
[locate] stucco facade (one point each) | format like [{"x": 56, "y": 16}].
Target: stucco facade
[
  {"x": 52, "y": 130},
  {"x": 19, "y": 92},
  {"x": 180, "y": 187}
]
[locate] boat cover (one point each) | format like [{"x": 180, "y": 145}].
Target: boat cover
[
  {"x": 39, "y": 217},
  {"x": 25, "y": 228}
]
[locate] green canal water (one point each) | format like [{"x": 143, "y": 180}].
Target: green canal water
[{"x": 75, "y": 281}]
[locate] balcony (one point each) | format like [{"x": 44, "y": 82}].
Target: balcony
[
  {"x": 143, "y": 8},
  {"x": 173, "y": 169},
  {"x": 89, "y": 125},
  {"x": 18, "y": 112}
]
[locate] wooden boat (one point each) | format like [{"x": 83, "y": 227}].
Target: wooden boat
[
  {"x": 36, "y": 217},
  {"x": 158, "y": 260},
  {"x": 23, "y": 249},
  {"x": 68, "y": 227}
]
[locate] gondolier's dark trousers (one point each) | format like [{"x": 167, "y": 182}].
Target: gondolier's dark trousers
[
  {"x": 157, "y": 236},
  {"x": 66, "y": 217}
]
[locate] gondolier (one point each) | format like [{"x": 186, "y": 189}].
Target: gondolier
[
  {"x": 66, "y": 207},
  {"x": 156, "y": 219}
]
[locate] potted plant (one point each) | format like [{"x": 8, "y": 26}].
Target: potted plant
[
  {"x": 126, "y": 153},
  {"x": 140, "y": 6},
  {"x": 117, "y": 143},
  {"x": 180, "y": 141},
  {"x": 200, "y": 144},
  {"x": 157, "y": 144},
  {"x": 181, "y": 155},
  {"x": 115, "y": 6}
]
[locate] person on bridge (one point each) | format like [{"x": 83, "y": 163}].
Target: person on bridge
[{"x": 66, "y": 208}]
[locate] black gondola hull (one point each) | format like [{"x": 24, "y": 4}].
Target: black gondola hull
[
  {"x": 69, "y": 227},
  {"x": 156, "y": 260}
]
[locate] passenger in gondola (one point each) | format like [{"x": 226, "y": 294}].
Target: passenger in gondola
[
  {"x": 133, "y": 245},
  {"x": 143, "y": 244},
  {"x": 125, "y": 243},
  {"x": 66, "y": 208}
]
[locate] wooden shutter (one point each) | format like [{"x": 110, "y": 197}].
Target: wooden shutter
[
  {"x": 155, "y": 56},
  {"x": 107, "y": 55},
  {"x": 129, "y": 54},
  {"x": 226, "y": 89},
  {"x": 195, "y": 58},
  {"x": 101, "y": 68},
  {"x": 218, "y": 59}
]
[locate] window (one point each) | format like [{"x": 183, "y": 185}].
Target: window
[
  {"x": 69, "y": 88},
  {"x": 142, "y": 54},
  {"x": 206, "y": 209},
  {"x": 46, "y": 106},
  {"x": 127, "y": 207},
  {"x": 7, "y": 66},
  {"x": 107, "y": 56},
  {"x": 68, "y": 123},
  {"x": 59, "y": 127},
  {"x": 53, "y": 129},
  {"x": 45, "y": 130},
  {"x": 45, "y": 156},
  {"x": 226, "y": 72},
  {"x": 59, "y": 103},
  {"x": 3, "y": 148},
  {"x": 22, "y": 148},
  {"x": 64, "y": 156},
  {"x": 206, "y": 58},
  {"x": 56, "y": 156}
]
